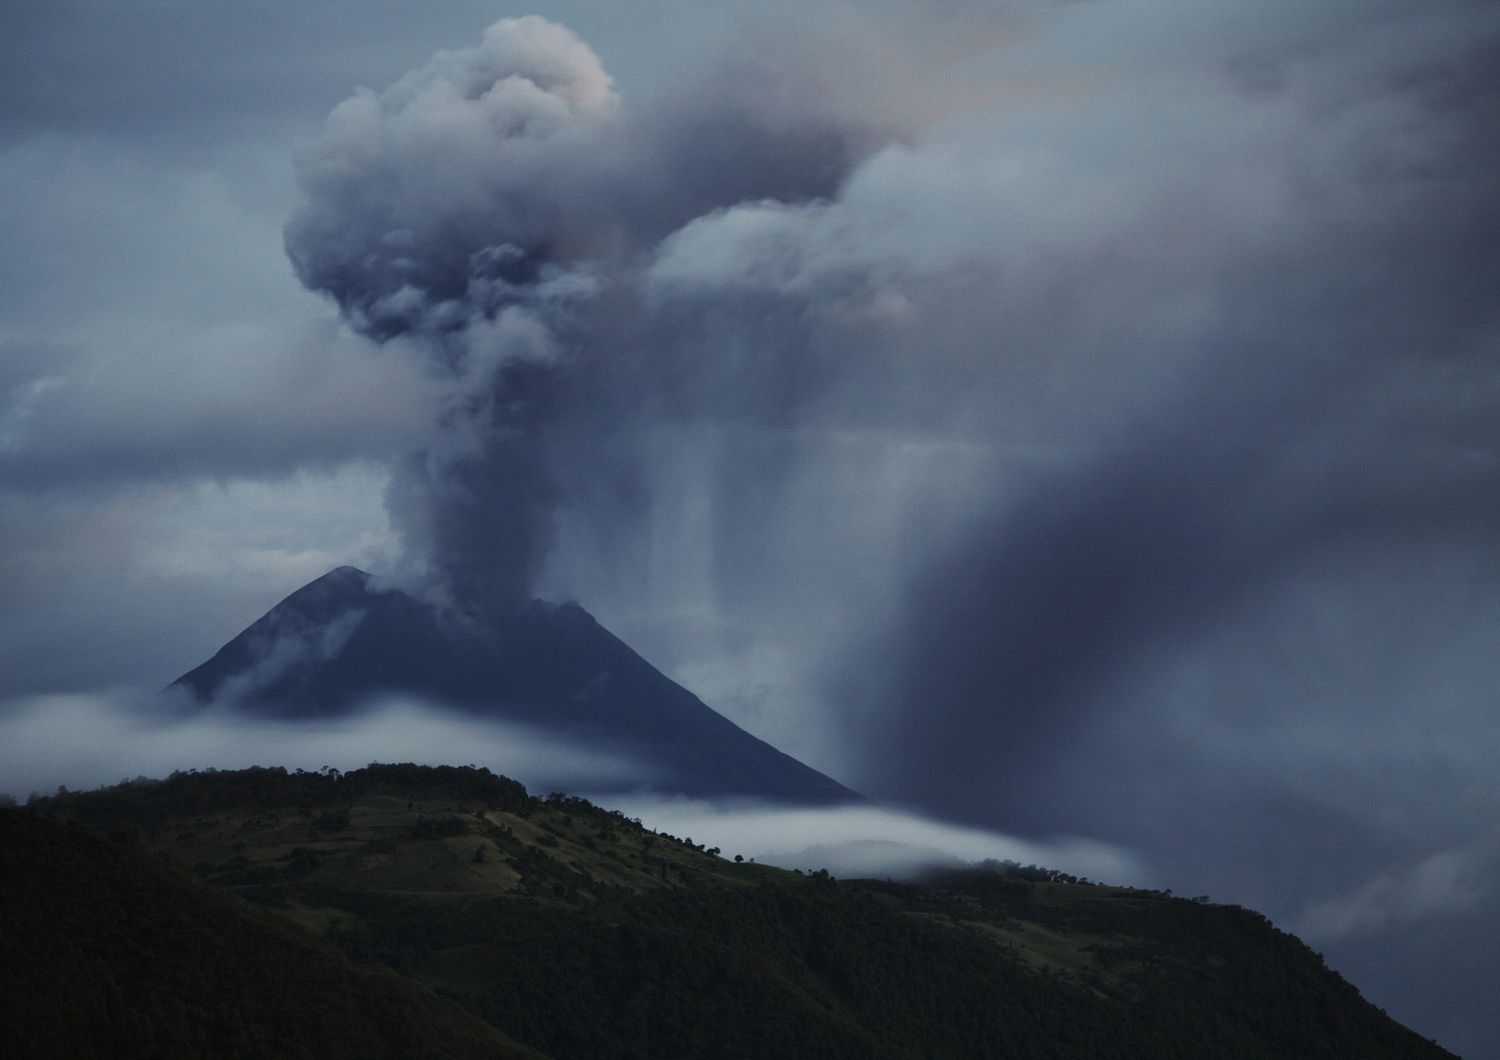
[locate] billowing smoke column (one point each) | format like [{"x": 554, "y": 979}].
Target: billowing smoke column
[
  {"x": 434, "y": 211},
  {"x": 479, "y": 210}
]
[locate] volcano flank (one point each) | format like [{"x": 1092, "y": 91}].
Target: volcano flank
[{"x": 344, "y": 640}]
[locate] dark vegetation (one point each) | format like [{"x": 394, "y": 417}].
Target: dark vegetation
[
  {"x": 363, "y": 897},
  {"x": 107, "y": 950}
]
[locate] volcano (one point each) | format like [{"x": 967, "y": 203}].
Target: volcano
[{"x": 345, "y": 640}]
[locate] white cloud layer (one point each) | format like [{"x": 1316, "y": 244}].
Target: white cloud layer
[
  {"x": 86, "y": 741},
  {"x": 869, "y": 840}
]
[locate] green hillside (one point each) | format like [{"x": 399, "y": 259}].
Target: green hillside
[
  {"x": 580, "y": 933},
  {"x": 107, "y": 950}
]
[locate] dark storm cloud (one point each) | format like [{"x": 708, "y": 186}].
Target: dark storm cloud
[
  {"x": 1008, "y": 646},
  {"x": 1234, "y": 348},
  {"x": 1364, "y": 421},
  {"x": 1289, "y": 331}
]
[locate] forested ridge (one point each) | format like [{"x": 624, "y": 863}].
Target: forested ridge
[{"x": 407, "y": 910}]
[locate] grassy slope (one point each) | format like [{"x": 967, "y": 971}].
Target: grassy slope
[
  {"x": 107, "y": 950},
  {"x": 582, "y": 933}
]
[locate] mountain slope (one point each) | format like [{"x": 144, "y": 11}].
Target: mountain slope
[
  {"x": 339, "y": 641},
  {"x": 581, "y": 933},
  {"x": 107, "y": 951}
]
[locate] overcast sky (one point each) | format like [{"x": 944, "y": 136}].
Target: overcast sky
[{"x": 1073, "y": 419}]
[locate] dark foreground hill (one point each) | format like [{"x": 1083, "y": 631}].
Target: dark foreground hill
[
  {"x": 340, "y": 641},
  {"x": 352, "y": 901},
  {"x": 106, "y": 950}
]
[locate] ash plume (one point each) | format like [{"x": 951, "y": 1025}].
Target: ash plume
[{"x": 483, "y": 214}]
